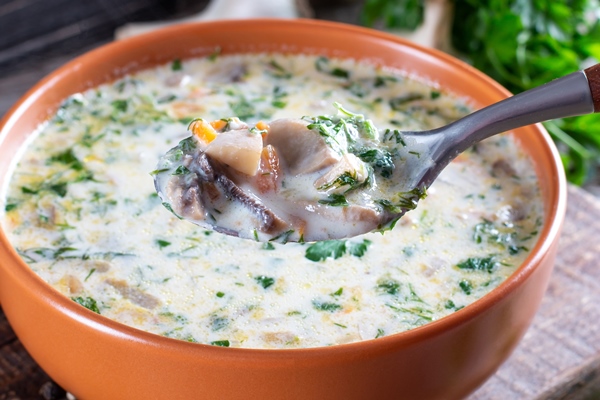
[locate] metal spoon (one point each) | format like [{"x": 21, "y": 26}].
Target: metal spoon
[{"x": 574, "y": 94}]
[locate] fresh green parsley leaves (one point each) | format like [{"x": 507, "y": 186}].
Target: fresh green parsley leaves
[{"x": 335, "y": 249}]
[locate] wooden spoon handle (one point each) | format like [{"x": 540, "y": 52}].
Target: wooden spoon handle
[{"x": 593, "y": 76}]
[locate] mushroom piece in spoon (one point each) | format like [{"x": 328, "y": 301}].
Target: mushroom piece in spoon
[{"x": 307, "y": 179}]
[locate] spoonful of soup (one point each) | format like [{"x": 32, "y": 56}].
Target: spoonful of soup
[{"x": 327, "y": 177}]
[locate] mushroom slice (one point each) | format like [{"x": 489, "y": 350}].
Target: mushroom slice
[
  {"x": 240, "y": 149},
  {"x": 303, "y": 150}
]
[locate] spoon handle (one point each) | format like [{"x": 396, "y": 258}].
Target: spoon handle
[
  {"x": 568, "y": 96},
  {"x": 593, "y": 75}
]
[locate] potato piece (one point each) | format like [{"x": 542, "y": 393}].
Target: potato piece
[
  {"x": 240, "y": 149},
  {"x": 303, "y": 150}
]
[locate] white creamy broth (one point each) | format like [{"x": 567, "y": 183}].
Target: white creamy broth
[{"x": 82, "y": 212}]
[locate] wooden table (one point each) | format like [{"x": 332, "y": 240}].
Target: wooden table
[{"x": 559, "y": 357}]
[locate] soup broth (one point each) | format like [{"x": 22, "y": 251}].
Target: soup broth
[{"x": 81, "y": 210}]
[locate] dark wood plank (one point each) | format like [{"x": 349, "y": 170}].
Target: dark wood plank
[
  {"x": 20, "y": 377},
  {"x": 48, "y": 28}
]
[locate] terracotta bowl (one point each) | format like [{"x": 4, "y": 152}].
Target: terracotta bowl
[{"x": 96, "y": 358}]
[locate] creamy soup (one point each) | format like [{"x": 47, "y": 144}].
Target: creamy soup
[{"x": 81, "y": 210}]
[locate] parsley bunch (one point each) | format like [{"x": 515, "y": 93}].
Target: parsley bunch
[{"x": 523, "y": 44}]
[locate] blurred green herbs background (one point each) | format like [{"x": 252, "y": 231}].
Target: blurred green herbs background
[{"x": 521, "y": 44}]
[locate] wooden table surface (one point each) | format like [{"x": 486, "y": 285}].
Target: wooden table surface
[{"x": 559, "y": 357}]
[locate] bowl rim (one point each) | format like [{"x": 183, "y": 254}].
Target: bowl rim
[{"x": 554, "y": 215}]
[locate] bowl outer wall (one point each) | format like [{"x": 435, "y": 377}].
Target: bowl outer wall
[{"x": 95, "y": 358}]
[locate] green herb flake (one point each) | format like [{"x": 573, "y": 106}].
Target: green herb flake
[
  {"x": 268, "y": 246},
  {"x": 358, "y": 249},
  {"x": 389, "y": 286},
  {"x": 181, "y": 170},
  {"x": 322, "y": 65},
  {"x": 264, "y": 281},
  {"x": 382, "y": 161},
  {"x": 221, "y": 343},
  {"x": 88, "y": 303},
  {"x": 176, "y": 65},
  {"x": 158, "y": 171},
  {"x": 220, "y": 294},
  {"x": 320, "y": 251},
  {"x": 380, "y": 333},
  {"x": 242, "y": 108},
  {"x": 338, "y": 292},
  {"x": 400, "y": 103},
  {"x": 282, "y": 237},
  {"x": 59, "y": 188},
  {"x": 487, "y": 264},
  {"x": 10, "y": 206},
  {"x": 277, "y": 71},
  {"x": 168, "y": 207},
  {"x": 89, "y": 274},
  {"x": 466, "y": 286},
  {"x": 335, "y": 200},
  {"x": 27, "y": 190},
  {"x": 68, "y": 158},
  {"x": 120, "y": 105},
  {"x": 326, "y": 306},
  {"x": 162, "y": 243},
  {"x": 215, "y": 54}
]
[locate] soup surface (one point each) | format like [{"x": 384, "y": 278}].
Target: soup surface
[{"x": 81, "y": 210}]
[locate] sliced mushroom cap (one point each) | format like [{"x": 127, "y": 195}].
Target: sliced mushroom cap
[
  {"x": 240, "y": 149},
  {"x": 303, "y": 150}
]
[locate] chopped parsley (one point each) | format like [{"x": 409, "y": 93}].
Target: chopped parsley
[
  {"x": 162, "y": 243},
  {"x": 399, "y": 103},
  {"x": 120, "y": 105},
  {"x": 382, "y": 161},
  {"x": 264, "y": 281},
  {"x": 358, "y": 249},
  {"x": 389, "y": 286},
  {"x": 87, "y": 302},
  {"x": 487, "y": 264},
  {"x": 320, "y": 251},
  {"x": 176, "y": 65},
  {"x": 466, "y": 286},
  {"x": 277, "y": 71},
  {"x": 335, "y": 200},
  {"x": 242, "y": 108},
  {"x": 282, "y": 237},
  {"x": 215, "y": 54},
  {"x": 221, "y": 343},
  {"x": 181, "y": 170},
  {"x": 323, "y": 65},
  {"x": 326, "y": 306},
  {"x": 335, "y": 249},
  {"x": 268, "y": 246}
]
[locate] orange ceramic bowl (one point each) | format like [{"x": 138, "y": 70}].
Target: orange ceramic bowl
[{"x": 96, "y": 358}]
